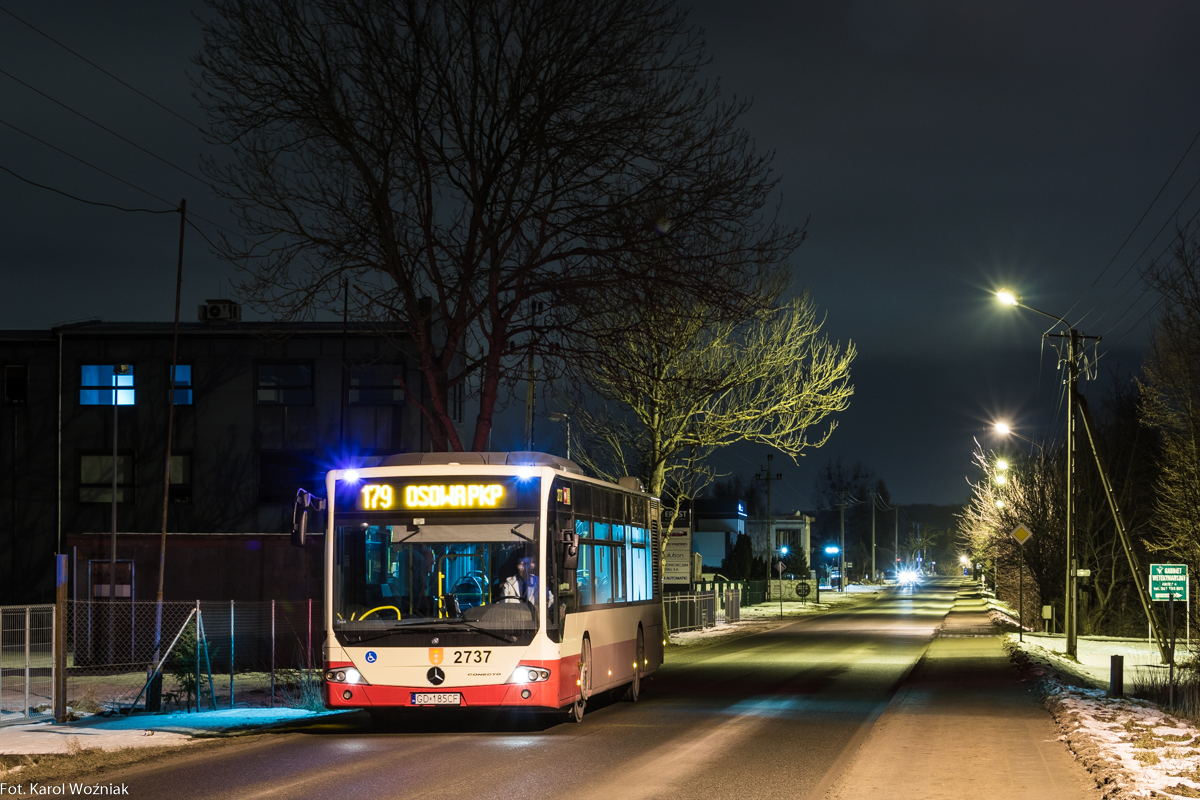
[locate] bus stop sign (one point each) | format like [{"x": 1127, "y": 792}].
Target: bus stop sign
[{"x": 1167, "y": 580}]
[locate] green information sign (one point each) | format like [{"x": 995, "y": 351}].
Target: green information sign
[{"x": 1167, "y": 580}]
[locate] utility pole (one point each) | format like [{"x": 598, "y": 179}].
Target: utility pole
[
  {"x": 920, "y": 555},
  {"x": 1071, "y": 599},
  {"x": 896, "y": 543},
  {"x": 1072, "y": 583},
  {"x": 872, "y": 535},
  {"x": 842, "y": 544},
  {"x": 767, "y": 475}
]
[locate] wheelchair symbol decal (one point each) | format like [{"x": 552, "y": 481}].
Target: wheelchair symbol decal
[{"x": 371, "y": 656}]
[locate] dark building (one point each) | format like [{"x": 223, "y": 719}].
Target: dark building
[{"x": 260, "y": 410}]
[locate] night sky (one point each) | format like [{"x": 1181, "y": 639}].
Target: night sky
[{"x": 938, "y": 150}]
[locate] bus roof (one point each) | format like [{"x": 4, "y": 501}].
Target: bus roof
[{"x": 515, "y": 459}]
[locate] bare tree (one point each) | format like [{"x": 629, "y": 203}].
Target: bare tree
[
  {"x": 464, "y": 161},
  {"x": 1171, "y": 395},
  {"x": 1034, "y": 494},
  {"x": 679, "y": 381}
]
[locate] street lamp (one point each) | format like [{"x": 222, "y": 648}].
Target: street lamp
[
  {"x": 783, "y": 551},
  {"x": 833, "y": 550},
  {"x": 558, "y": 416},
  {"x": 1074, "y": 339},
  {"x": 1004, "y": 429}
]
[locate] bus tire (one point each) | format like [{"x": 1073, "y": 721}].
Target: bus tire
[
  {"x": 575, "y": 711},
  {"x": 634, "y": 690},
  {"x": 585, "y": 669}
]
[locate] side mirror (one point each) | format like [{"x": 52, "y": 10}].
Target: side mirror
[
  {"x": 305, "y": 502},
  {"x": 570, "y": 551}
]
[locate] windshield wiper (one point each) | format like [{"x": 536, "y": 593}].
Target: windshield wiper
[
  {"x": 516, "y": 532},
  {"x": 453, "y": 625}
]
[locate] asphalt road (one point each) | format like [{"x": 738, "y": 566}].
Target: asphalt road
[{"x": 777, "y": 714}]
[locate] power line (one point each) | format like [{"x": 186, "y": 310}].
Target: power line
[
  {"x": 1141, "y": 219},
  {"x": 82, "y": 200},
  {"x": 91, "y": 63},
  {"x": 102, "y": 171},
  {"x": 82, "y": 161},
  {"x": 130, "y": 142},
  {"x": 1150, "y": 244}
]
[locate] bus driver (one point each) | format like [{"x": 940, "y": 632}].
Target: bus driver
[{"x": 524, "y": 584}]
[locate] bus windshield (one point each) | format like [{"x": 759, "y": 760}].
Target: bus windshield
[{"x": 474, "y": 575}]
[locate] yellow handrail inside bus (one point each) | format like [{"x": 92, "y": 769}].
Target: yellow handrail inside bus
[{"x": 380, "y": 608}]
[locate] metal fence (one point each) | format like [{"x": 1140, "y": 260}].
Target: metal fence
[
  {"x": 692, "y": 611},
  {"x": 220, "y": 654},
  {"x": 26, "y": 662}
]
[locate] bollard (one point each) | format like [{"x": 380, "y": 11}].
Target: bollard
[{"x": 1116, "y": 676}]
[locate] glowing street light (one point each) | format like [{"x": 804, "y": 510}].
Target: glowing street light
[
  {"x": 1002, "y": 465},
  {"x": 1007, "y": 298},
  {"x": 1001, "y": 479}
]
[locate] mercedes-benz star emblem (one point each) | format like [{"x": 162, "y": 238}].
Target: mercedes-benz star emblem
[{"x": 435, "y": 676}]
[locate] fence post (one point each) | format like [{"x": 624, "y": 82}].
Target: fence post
[
  {"x": 59, "y": 669},
  {"x": 272, "y": 654},
  {"x": 310, "y": 634},
  {"x": 232, "y": 652},
  {"x": 28, "y": 622},
  {"x": 197, "y": 658}
]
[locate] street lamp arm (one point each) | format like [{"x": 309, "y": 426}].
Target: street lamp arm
[
  {"x": 1019, "y": 304},
  {"x": 1010, "y": 298}
]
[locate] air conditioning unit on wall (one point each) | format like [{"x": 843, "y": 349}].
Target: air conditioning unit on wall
[{"x": 219, "y": 311}]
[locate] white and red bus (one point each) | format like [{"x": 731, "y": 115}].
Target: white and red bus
[{"x": 487, "y": 580}]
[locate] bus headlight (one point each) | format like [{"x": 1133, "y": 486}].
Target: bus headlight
[
  {"x": 524, "y": 674},
  {"x": 344, "y": 675}
]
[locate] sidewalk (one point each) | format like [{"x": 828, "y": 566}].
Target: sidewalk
[
  {"x": 964, "y": 725},
  {"x": 141, "y": 730}
]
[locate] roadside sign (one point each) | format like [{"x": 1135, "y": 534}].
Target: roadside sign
[
  {"x": 1083, "y": 573},
  {"x": 803, "y": 589},
  {"x": 1021, "y": 533},
  {"x": 677, "y": 560},
  {"x": 1167, "y": 580}
]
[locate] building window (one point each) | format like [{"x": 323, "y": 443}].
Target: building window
[
  {"x": 96, "y": 475},
  {"x": 181, "y": 479},
  {"x": 376, "y": 385},
  {"x": 281, "y": 473},
  {"x": 183, "y": 384},
  {"x": 102, "y": 384},
  {"x": 285, "y": 385},
  {"x": 16, "y": 384}
]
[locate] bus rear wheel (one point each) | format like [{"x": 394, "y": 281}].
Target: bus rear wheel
[{"x": 634, "y": 690}]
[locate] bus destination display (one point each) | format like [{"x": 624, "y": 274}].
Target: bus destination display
[{"x": 429, "y": 496}]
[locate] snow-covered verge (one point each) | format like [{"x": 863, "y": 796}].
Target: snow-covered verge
[{"x": 1131, "y": 747}]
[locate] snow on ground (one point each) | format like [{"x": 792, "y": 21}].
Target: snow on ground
[
  {"x": 765, "y": 616},
  {"x": 1133, "y": 747}
]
